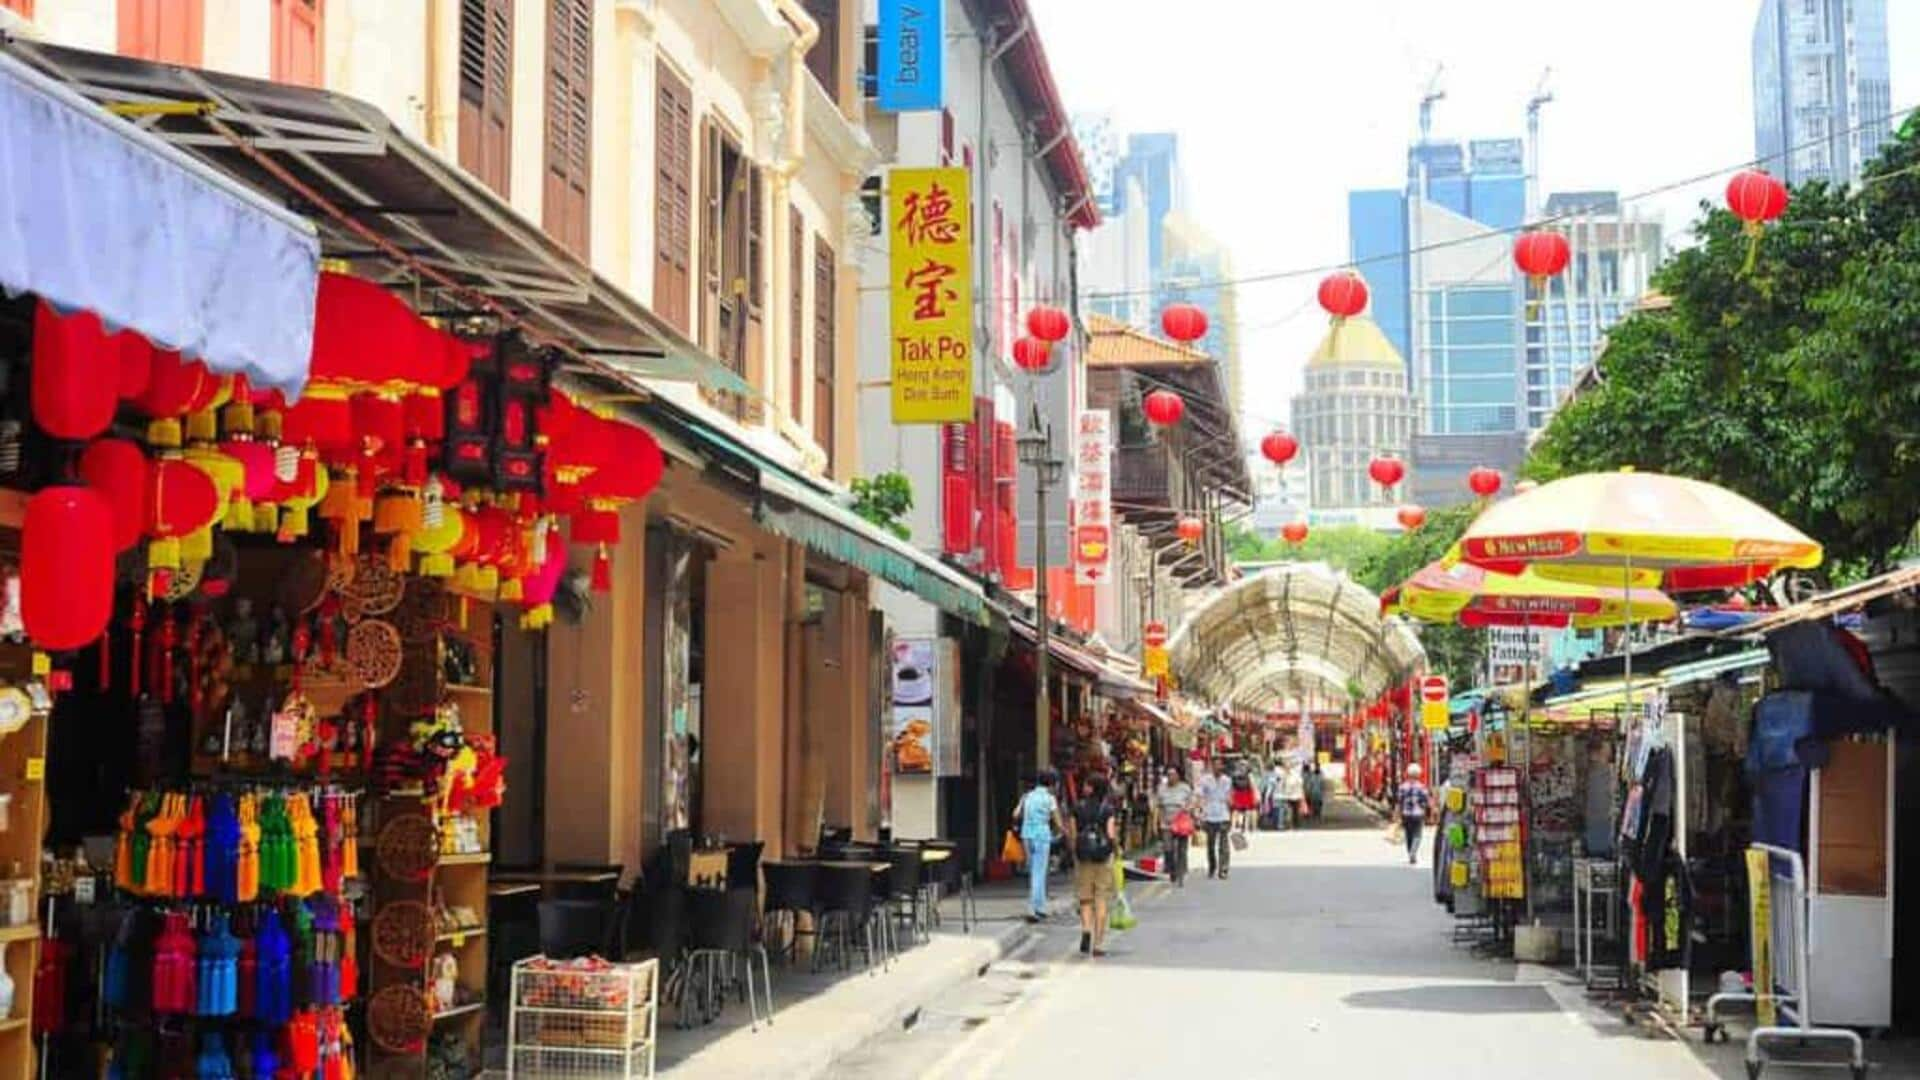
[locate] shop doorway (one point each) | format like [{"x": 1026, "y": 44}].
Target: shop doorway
[{"x": 676, "y": 615}]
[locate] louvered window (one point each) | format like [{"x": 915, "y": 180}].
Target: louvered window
[
  {"x": 825, "y": 297},
  {"x": 486, "y": 91},
  {"x": 673, "y": 200},
  {"x": 797, "y": 273},
  {"x": 569, "y": 126}
]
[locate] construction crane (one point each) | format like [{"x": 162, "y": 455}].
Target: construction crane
[
  {"x": 1541, "y": 96},
  {"x": 1433, "y": 93}
]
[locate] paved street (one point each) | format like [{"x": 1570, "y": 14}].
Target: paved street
[{"x": 1323, "y": 952}]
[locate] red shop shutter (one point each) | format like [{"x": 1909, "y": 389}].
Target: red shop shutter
[{"x": 956, "y": 490}]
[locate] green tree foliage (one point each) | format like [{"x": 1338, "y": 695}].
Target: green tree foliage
[
  {"x": 1340, "y": 546},
  {"x": 884, "y": 500},
  {"x": 1454, "y": 651},
  {"x": 1796, "y": 384}
]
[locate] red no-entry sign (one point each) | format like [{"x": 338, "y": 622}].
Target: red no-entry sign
[{"x": 1433, "y": 688}]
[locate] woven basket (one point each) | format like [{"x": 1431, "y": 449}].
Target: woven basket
[
  {"x": 403, "y": 934},
  {"x": 408, "y": 848}
]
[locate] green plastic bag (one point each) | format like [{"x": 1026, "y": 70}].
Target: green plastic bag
[{"x": 1120, "y": 917}]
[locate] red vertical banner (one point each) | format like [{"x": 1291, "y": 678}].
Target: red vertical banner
[
  {"x": 1006, "y": 464},
  {"x": 956, "y": 489},
  {"x": 986, "y": 536}
]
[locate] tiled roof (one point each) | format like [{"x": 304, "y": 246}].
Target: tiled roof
[{"x": 1115, "y": 344}]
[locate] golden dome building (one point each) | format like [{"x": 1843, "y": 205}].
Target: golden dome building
[{"x": 1356, "y": 406}]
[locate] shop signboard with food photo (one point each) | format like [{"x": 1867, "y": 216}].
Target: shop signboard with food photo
[{"x": 915, "y": 681}]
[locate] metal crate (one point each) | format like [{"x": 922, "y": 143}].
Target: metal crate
[{"x": 569, "y": 1020}]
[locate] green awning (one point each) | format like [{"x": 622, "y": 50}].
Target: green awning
[{"x": 805, "y": 515}]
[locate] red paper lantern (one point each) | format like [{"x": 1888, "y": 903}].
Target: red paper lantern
[
  {"x": 1184, "y": 322},
  {"x": 183, "y": 499},
  {"x": 134, "y": 364},
  {"x": 1412, "y": 517},
  {"x": 1386, "y": 471},
  {"x": 116, "y": 470},
  {"x": 1756, "y": 197},
  {"x": 633, "y": 468},
  {"x": 594, "y": 527},
  {"x": 1279, "y": 447},
  {"x": 1163, "y": 408},
  {"x": 1191, "y": 529},
  {"x": 321, "y": 420},
  {"x": 66, "y": 567},
  {"x": 1484, "y": 481},
  {"x": 364, "y": 335},
  {"x": 75, "y": 374},
  {"x": 256, "y": 465},
  {"x": 1343, "y": 295},
  {"x": 1294, "y": 532},
  {"x": 1541, "y": 253},
  {"x": 1049, "y": 324},
  {"x": 1032, "y": 354},
  {"x": 173, "y": 384}
]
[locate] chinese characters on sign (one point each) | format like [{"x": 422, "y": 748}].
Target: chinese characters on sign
[
  {"x": 1092, "y": 496},
  {"x": 930, "y": 222}
]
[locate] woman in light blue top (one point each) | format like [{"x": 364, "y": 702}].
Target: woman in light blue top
[{"x": 1038, "y": 813}]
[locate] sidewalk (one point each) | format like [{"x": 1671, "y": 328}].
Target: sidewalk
[{"x": 821, "y": 1018}]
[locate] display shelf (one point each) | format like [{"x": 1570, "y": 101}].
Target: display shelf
[
  {"x": 459, "y": 1011},
  {"x": 15, "y": 1023},
  {"x": 472, "y": 858},
  {"x": 23, "y": 932}
]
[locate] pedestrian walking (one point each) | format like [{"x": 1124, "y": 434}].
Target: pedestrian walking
[
  {"x": 1316, "y": 790},
  {"x": 1095, "y": 838},
  {"x": 1245, "y": 801},
  {"x": 1293, "y": 791},
  {"x": 1038, "y": 813},
  {"x": 1270, "y": 788},
  {"x": 1414, "y": 802},
  {"x": 1216, "y": 794},
  {"x": 1175, "y": 800}
]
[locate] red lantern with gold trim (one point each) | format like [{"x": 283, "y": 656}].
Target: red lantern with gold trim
[
  {"x": 1294, "y": 532},
  {"x": 66, "y": 567},
  {"x": 1412, "y": 517},
  {"x": 1191, "y": 529},
  {"x": 75, "y": 374},
  {"x": 1032, "y": 354},
  {"x": 1279, "y": 447},
  {"x": 1484, "y": 481},
  {"x": 1343, "y": 295},
  {"x": 1386, "y": 471}
]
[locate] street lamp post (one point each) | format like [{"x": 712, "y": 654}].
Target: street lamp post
[{"x": 1036, "y": 452}]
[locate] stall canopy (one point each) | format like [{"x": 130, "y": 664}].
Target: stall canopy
[
  {"x": 101, "y": 215},
  {"x": 393, "y": 209},
  {"x": 1111, "y": 680},
  {"x": 1292, "y": 631}
]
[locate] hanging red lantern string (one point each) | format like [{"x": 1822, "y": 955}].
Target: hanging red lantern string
[
  {"x": 1294, "y": 532},
  {"x": 117, "y": 471},
  {"x": 1411, "y": 517},
  {"x": 1386, "y": 471},
  {"x": 1163, "y": 408},
  {"x": 133, "y": 364},
  {"x": 1190, "y": 530},
  {"x": 1183, "y": 322},
  {"x": 1031, "y": 354},
  {"x": 1483, "y": 481},
  {"x": 1755, "y": 197},
  {"x": 1048, "y": 324},
  {"x": 1343, "y": 295},
  {"x": 1279, "y": 447},
  {"x": 173, "y": 385},
  {"x": 1540, "y": 254}
]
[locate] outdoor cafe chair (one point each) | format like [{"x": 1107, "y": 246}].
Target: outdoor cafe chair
[
  {"x": 792, "y": 889},
  {"x": 904, "y": 890},
  {"x": 723, "y": 949},
  {"x": 846, "y": 904}
]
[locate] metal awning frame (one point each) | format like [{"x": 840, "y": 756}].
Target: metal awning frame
[{"x": 524, "y": 276}]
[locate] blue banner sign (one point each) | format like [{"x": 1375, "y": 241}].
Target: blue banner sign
[{"x": 912, "y": 54}]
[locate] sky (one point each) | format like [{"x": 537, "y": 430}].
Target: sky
[{"x": 1283, "y": 106}]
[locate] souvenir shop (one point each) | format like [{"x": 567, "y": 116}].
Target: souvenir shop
[{"x": 250, "y": 674}]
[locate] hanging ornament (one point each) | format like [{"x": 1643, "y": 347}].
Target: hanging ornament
[
  {"x": 173, "y": 385},
  {"x": 66, "y": 567},
  {"x": 1294, "y": 532},
  {"x": 1540, "y": 254},
  {"x": 1411, "y": 517},
  {"x": 1386, "y": 471},
  {"x": 1048, "y": 324},
  {"x": 1163, "y": 408},
  {"x": 1484, "y": 481},
  {"x": 1279, "y": 447},
  {"x": 1755, "y": 197},
  {"x": 1343, "y": 295},
  {"x": 72, "y": 396},
  {"x": 1032, "y": 354},
  {"x": 1190, "y": 530},
  {"x": 116, "y": 469},
  {"x": 1183, "y": 322}
]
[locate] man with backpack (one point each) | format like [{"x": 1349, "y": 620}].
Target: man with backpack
[
  {"x": 1414, "y": 804},
  {"x": 1095, "y": 840}
]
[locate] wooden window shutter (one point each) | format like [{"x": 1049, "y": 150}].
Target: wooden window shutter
[
  {"x": 710, "y": 197},
  {"x": 825, "y": 312},
  {"x": 673, "y": 199},
  {"x": 797, "y": 316},
  {"x": 169, "y": 31},
  {"x": 569, "y": 123},
  {"x": 486, "y": 92},
  {"x": 824, "y": 58},
  {"x": 295, "y": 42},
  {"x": 756, "y": 240}
]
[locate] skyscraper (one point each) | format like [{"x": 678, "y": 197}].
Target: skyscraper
[
  {"x": 1355, "y": 408},
  {"x": 1153, "y": 160},
  {"x": 1197, "y": 269},
  {"x": 1821, "y": 95}
]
